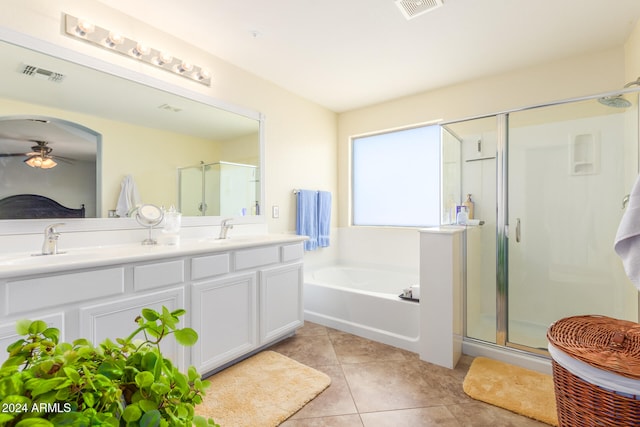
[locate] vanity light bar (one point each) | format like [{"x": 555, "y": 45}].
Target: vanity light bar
[{"x": 116, "y": 42}]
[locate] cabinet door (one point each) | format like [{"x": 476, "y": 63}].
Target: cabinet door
[
  {"x": 224, "y": 315},
  {"x": 281, "y": 309},
  {"x": 116, "y": 319}
]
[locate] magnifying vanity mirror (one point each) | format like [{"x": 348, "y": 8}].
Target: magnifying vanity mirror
[
  {"x": 98, "y": 127},
  {"x": 149, "y": 216}
]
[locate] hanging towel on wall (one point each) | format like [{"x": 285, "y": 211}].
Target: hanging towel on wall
[
  {"x": 324, "y": 218},
  {"x": 129, "y": 197},
  {"x": 627, "y": 243},
  {"x": 307, "y": 218}
]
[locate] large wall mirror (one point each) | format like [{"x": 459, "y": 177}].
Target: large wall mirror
[{"x": 102, "y": 127}]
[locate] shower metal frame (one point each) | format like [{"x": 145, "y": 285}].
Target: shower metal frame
[{"x": 502, "y": 216}]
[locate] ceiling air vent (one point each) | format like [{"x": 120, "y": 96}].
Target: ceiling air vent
[
  {"x": 413, "y": 8},
  {"x": 40, "y": 73}
]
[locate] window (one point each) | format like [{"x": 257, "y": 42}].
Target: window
[{"x": 396, "y": 178}]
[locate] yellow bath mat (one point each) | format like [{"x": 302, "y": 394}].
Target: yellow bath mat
[
  {"x": 263, "y": 390},
  {"x": 517, "y": 389}
]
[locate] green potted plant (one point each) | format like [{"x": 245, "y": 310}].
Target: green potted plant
[{"x": 45, "y": 382}]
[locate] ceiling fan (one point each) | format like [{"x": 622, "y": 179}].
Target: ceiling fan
[{"x": 40, "y": 155}]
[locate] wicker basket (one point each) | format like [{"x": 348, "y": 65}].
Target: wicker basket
[{"x": 604, "y": 343}]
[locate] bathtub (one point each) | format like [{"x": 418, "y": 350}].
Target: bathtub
[{"x": 364, "y": 302}]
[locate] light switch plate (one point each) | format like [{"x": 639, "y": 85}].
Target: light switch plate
[{"x": 275, "y": 211}]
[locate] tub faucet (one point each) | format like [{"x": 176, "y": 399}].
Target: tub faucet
[
  {"x": 50, "y": 245},
  {"x": 224, "y": 228}
]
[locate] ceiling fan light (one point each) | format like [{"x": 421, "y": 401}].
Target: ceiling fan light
[
  {"x": 34, "y": 161},
  {"x": 48, "y": 163},
  {"x": 41, "y": 162}
]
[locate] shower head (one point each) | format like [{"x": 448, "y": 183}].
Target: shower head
[{"x": 616, "y": 101}]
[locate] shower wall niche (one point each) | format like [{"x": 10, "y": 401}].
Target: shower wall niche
[{"x": 219, "y": 189}]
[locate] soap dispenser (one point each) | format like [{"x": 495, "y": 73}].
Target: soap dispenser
[
  {"x": 463, "y": 216},
  {"x": 469, "y": 205}
]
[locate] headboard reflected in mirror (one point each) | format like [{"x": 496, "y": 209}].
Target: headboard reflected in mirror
[{"x": 146, "y": 128}]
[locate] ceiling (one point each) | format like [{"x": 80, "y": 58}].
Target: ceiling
[{"x": 347, "y": 54}]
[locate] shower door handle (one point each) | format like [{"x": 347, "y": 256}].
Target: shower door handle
[{"x": 518, "y": 230}]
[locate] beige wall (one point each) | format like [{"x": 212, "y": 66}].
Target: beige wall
[
  {"x": 632, "y": 55},
  {"x": 572, "y": 77},
  {"x": 300, "y": 136}
]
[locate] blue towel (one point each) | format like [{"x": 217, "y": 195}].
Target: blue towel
[
  {"x": 307, "y": 218},
  {"x": 324, "y": 218}
]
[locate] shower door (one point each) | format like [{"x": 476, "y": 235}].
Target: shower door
[{"x": 568, "y": 168}]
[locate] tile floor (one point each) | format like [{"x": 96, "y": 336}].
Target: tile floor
[{"x": 376, "y": 385}]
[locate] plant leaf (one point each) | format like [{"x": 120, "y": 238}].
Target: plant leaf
[
  {"x": 72, "y": 374},
  {"x": 37, "y": 327},
  {"x": 150, "y": 314},
  {"x": 132, "y": 413},
  {"x": 41, "y": 386},
  {"x": 151, "y": 419},
  {"x": 147, "y": 405},
  {"x": 22, "y": 326},
  {"x": 186, "y": 336},
  {"x": 179, "y": 312},
  {"x": 144, "y": 379},
  {"x": 89, "y": 399},
  {"x": 34, "y": 422}
]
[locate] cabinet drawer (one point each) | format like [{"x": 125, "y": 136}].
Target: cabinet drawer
[
  {"x": 156, "y": 275},
  {"x": 207, "y": 266},
  {"x": 292, "y": 252},
  {"x": 41, "y": 292},
  {"x": 256, "y": 257}
]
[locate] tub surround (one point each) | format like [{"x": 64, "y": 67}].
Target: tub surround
[{"x": 241, "y": 294}]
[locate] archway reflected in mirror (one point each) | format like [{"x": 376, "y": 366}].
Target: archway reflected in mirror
[{"x": 52, "y": 159}]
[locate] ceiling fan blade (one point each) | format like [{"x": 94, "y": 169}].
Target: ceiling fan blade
[
  {"x": 14, "y": 154},
  {"x": 67, "y": 160}
]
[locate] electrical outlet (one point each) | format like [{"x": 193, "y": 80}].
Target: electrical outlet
[{"x": 275, "y": 211}]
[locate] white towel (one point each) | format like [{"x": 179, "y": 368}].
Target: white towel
[
  {"x": 627, "y": 243},
  {"x": 129, "y": 197}
]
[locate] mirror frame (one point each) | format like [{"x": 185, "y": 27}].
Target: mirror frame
[{"x": 28, "y": 226}]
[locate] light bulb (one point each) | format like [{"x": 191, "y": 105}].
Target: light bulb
[
  {"x": 141, "y": 49},
  {"x": 184, "y": 67},
  {"x": 163, "y": 58},
  {"x": 203, "y": 74},
  {"x": 114, "y": 39},
  {"x": 84, "y": 27}
]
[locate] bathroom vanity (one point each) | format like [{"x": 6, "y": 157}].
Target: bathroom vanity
[{"x": 240, "y": 294}]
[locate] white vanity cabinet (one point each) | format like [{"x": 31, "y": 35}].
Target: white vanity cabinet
[
  {"x": 281, "y": 305},
  {"x": 224, "y": 313},
  {"x": 239, "y": 296},
  {"x": 256, "y": 304}
]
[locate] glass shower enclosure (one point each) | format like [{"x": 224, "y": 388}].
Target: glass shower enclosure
[
  {"x": 550, "y": 184},
  {"x": 219, "y": 189}
]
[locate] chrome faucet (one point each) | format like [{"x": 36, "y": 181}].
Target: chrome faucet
[
  {"x": 50, "y": 245},
  {"x": 224, "y": 228}
]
